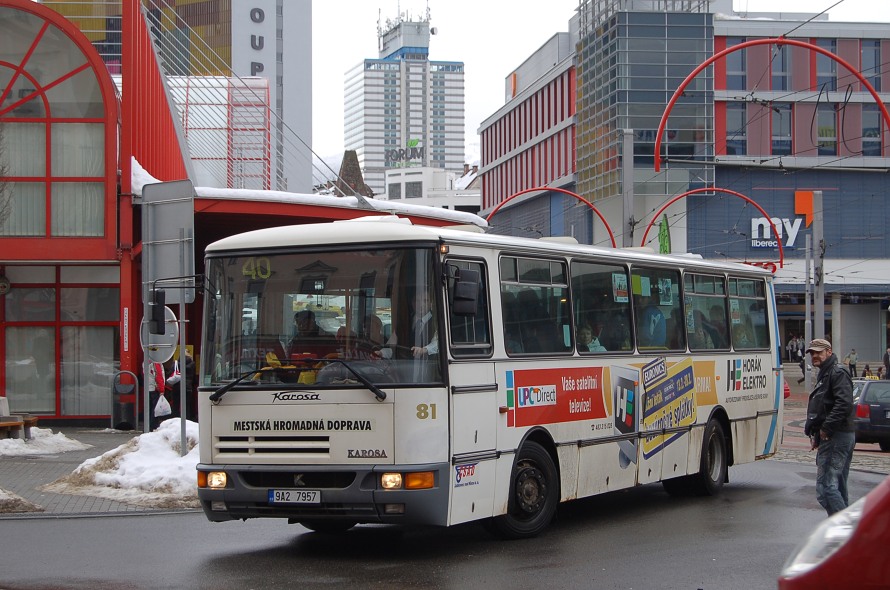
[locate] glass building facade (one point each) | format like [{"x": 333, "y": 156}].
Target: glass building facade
[{"x": 631, "y": 58}]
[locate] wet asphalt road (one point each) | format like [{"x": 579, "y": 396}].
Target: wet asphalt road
[{"x": 637, "y": 539}]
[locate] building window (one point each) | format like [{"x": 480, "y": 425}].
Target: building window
[
  {"x": 413, "y": 190},
  {"x": 826, "y": 68},
  {"x": 53, "y": 142},
  {"x": 736, "y": 129},
  {"x": 781, "y": 67},
  {"x": 871, "y": 130},
  {"x": 871, "y": 62},
  {"x": 394, "y": 191},
  {"x": 781, "y": 140},
  {"x": 736, "y": 69},
  {"x": 826, "y": 118}
]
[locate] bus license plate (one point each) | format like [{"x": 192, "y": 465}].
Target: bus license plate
[{"x": 294, "y": 497}]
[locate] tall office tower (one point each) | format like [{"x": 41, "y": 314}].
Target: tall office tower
[
  {"x": 632, "y": 55},
  {"x": 271, "y": 39},
  {"x": 402, "y": 109}
]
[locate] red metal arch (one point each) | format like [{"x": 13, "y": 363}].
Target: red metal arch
[
  {"x": 558, "y": 190},
  {"x": 770, "y": 41},
  {"x": 719, "y": 190}
]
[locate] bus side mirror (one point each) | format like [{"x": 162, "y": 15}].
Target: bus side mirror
[
  {"x": 156, "y": 317},
  {"x": 466, "y": 291}
]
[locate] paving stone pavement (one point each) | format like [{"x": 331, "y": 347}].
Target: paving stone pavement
[
  {"x": 26, "y": 475},
  {"x": 795, "y": 446}
]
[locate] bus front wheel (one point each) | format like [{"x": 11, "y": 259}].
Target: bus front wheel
[{"x": 534, "y": 494}]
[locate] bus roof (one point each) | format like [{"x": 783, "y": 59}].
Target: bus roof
[{"x": 390, "y": 228}]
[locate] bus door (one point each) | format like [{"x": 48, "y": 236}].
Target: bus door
[{"x": 474, "y": 392}]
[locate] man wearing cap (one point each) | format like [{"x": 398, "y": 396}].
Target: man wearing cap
[{"x": 830, "y": 426}]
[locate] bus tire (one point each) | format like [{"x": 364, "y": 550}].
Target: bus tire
[
  {"x": 328, "y": 527},
  {"x": 714, "y": 461},
  {"x": 534, "y": 495}
]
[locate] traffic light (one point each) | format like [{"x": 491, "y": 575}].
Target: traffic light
[{"x": 156, "y": 305}]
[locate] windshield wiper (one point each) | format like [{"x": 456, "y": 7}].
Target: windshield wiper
[
  {"x": 217, "y": 395},
  {"x": 378, "y": 393}
]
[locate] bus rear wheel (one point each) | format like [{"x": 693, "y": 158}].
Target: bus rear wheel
[
  {"x": 712, "y": 470},
  {"x": 534, "y": 494},
  {"x": 714, "y": 461}
]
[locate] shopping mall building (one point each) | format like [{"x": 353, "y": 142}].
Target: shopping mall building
[
  {"x": 75, "y": 155},
  {"x": 775, "y": 123}
]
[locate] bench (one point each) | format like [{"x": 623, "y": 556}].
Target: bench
[
  {"x": 28, "y": 422},
  {"x": 11, "y": 427},
  {"x": 17, "y": 426}
]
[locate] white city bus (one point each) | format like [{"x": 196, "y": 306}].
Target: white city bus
[{"x": 461, "y": 376}]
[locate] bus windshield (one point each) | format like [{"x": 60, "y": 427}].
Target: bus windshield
[{"x": 312, "y": 318}]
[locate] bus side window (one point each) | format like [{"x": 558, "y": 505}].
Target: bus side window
[
  {"x": 747, "y": 310},
  {"x": 705, "y": 297},
  {"x": 470, "y": 334},
  {"x": 602, "y": 304},
  {"x": 656, "y": 298}
]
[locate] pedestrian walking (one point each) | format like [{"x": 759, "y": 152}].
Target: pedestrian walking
[
  {"x": 829, "y": 425},
  {"x": 887, "y": 362},
  {"x": 851, "y": 361},
  {"x": 802, "y": 363}
]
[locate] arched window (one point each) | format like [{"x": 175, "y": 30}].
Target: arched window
[{"x": 53, "y": 132}]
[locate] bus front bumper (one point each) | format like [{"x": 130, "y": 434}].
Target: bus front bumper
[{"x": 346, "y": 493}]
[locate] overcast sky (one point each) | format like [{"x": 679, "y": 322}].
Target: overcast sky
[{"x": 491, "y": 37}]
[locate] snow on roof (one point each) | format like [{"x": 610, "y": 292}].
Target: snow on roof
[
  {"x": 140, "y": 177},
  {"x": 466, "y": 180}
]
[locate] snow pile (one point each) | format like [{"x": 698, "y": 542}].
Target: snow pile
[
  {"x": 43, "y": 442},
  {"x": 146, "y": 471}
]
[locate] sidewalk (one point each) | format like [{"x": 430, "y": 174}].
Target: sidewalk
[
  {"x": 26, "y": 475},
  {"x": 795, "y": 446}
]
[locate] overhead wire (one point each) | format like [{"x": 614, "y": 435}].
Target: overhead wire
[
  {"x": 843, "y": 136},
  {"x": 283, "y": 142}
]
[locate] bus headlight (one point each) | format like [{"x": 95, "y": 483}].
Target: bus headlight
[
  {"x": 213, "y": 479},
  {"x": 391, "y": 481},
  {"x": 420, "y": 480}
]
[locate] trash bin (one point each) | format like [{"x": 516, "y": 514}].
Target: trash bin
[{"x": 123, "y": 403}]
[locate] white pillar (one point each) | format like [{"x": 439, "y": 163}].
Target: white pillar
[{"x": 838, "y": 345}]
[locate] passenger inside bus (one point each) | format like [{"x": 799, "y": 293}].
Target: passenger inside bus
[
  {"x": 700, "y": 336},
  {"x": 309, "y": 338},
  {"x": 616, "y": 329},
  {"x": 652, "y": 325},
  {"x": 587, "y": 342},
  {"x": 742, "y": 337},
  {"x": 718, "y": 323}
]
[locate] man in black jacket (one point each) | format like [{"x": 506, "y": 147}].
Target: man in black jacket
[{"x": 830, "y": 426}]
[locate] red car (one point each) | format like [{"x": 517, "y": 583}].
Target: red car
[{"x": 848, "y": 550}]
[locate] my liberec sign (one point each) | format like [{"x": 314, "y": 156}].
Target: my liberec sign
[
  {"x": 788, "y": 228},
  {"x": 761, "y": 231}
]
